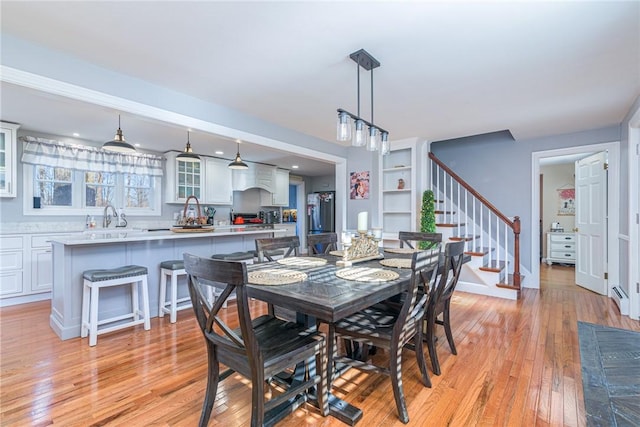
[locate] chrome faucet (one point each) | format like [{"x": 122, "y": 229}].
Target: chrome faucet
[{"x": 106, "y": 220}]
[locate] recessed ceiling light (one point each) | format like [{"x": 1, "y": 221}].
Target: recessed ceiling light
[
  {"x": 76, "y": 134},
  {"x": 137, "y": 144},
  {"x": 294, "y": 167},
  {"x": 219, "y": 153}
]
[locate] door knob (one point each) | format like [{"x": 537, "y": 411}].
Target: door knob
[{"x": 575, "y": 230}]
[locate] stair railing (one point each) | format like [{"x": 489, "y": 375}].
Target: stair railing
[{"x": 453, "y": 192}]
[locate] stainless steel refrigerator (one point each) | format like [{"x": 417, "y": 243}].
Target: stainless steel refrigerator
[{"x": 321, "y": 212}]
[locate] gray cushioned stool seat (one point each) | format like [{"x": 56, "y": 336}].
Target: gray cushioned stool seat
[
  {"x": 176, "y": 264},
  {"x": 234, "y": 256},
  {"x": 99, "y": 275}
]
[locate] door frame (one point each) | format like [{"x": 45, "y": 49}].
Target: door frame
[
  {"x": 613, "y": 198},
  {"x": 634, "y": 215}
]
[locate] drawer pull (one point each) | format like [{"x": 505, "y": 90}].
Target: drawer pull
[{"x": 568, "y": 246}]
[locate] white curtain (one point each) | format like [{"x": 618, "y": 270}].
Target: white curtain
[{"x": 47, "y": 152}]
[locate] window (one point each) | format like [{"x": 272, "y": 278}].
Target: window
[
  {"x": 100, "y": 188},
  {"x": 78, "y": 180},
  {"x": 54, "y": 186}
]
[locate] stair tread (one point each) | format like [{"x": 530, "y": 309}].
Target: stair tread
[
  {"x": 462, "y": 224},
  {"x": 466, "y": 238},
  {"x": 495, "y": 266},
  {"x": 510, "y": 285},
  {"x": 478, "y": 251},
  {"x": 445, "y": 212}
]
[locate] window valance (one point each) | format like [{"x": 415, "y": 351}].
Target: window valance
[{"x": 47, "y": 152}]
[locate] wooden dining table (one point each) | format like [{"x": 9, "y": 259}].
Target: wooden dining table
[{"x": 324, "y": 296}]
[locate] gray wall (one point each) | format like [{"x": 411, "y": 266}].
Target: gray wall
[{"x": 500, "y": 169}]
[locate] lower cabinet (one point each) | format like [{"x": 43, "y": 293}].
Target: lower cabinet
[
  {"x": 11, "y": 265},
  {"x": 26, "y": 267},
  {"x": 290, "y": 227}
]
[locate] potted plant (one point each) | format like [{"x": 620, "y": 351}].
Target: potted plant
[{"x": 427, "y": 216}]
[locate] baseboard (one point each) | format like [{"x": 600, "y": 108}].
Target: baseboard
[{"x": 621, "y": 299}]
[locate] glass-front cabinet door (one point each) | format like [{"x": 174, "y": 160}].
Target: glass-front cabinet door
[
  {"x": 8, "y": 159},
  {"x": 188, "y": 179}
]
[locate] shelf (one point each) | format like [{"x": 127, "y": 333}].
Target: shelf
[
  {"x": 396, "y": 213},
  {"x": 395, "y": 190},
  {"x": 403, "y": 168}
]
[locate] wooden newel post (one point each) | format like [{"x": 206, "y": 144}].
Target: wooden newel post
[{"x": 516, "y": 251}]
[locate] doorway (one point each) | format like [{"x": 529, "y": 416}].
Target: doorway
[{"x": 570, "y": 155}]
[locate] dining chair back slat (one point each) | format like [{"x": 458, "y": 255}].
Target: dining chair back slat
[
  {"x": 322, "y": 243},
  {"x": 259, "y": 349},
  {"x": 412, "y": 239},
  {"x": 291, "y": 245}
]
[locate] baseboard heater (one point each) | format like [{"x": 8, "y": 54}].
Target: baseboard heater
[{"x": 621, "y": 299}]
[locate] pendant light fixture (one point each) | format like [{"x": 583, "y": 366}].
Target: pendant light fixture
[
  {"x": 118, "y": 143},
  {"x": 188, "y": 155},
  {"x": 238, "y": 163},
  {"x": 376, "y": 137}
]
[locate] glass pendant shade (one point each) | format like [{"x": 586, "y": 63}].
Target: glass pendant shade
[
  {"x": 358, "y": 134},
  {"x": 118, "y": 143},
  {"x": 385, "y": 145},
  {"x": 372, "y": 141},
  {"x": 188, "y": 155},
  {"x": 344, "y": 127}
]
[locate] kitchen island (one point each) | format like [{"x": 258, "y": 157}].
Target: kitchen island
[{"x": 110, "y": 248}]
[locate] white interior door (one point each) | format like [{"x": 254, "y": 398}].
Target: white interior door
[{"x": 591, "y": 222}]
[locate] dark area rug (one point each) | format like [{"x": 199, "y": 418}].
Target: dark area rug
[{"x": 610, "y": 359}]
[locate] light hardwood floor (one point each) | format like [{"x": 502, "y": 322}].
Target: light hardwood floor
[{"x": 518, "y": 364}]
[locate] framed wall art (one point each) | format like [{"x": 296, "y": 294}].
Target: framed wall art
[{"x": 359, "y": 185}]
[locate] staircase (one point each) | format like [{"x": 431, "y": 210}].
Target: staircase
[{"x": 492, "y": 239}]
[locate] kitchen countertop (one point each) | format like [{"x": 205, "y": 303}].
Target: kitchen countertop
[{"x": 113, "y": 235}]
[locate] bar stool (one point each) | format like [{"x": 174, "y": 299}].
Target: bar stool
[
  {"x": 246, "y": 257},
  {"x": 94, "y": 280},
  {"x": 173, "y": 269}
]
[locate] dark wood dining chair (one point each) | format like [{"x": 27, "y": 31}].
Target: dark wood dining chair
[
  {"x": 266, "y": 247},
  {"x": 440, "y": 300},
  {"x": 390, "y": 330},
  {"x": 412, "y": 239},
  {"x": 322, "y": 243},
  {"x": 259, "y": 349}
]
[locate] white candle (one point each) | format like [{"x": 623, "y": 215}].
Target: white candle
[
  {"x": 346, "y": 238},
  {"x": 363, "y": 221}
]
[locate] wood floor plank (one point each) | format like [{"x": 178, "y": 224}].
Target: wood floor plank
[{"x": 518, "y": 364}]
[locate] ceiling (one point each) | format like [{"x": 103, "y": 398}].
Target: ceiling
[{"x": 448, "y": 69}]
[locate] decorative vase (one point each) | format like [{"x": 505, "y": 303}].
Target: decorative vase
[{"x": 400, "y": 184}]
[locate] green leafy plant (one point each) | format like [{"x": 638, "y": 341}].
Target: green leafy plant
[{"x": 427, "y": 216}]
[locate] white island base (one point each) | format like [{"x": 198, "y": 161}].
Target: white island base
[{"x": 73, "y": 255}]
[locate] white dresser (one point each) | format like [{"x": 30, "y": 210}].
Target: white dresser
[{"x": 561, "y": 247}]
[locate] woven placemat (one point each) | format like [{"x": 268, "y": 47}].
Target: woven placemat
[
  {"x": 400, "y": 250},
  {"x": 337, "y": 253},
  {"x": 396, "y": 262},
  {"x": 367, "y": 274},
  {"x": 302, "y": 261},
  {"x": 275, "y": 276}
]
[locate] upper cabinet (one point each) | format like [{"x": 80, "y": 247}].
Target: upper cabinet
[
  {"x": 279, "y": 196},
  {"x": 398, "y": 190},
  {"x": 8, "y": 159},
  {"x": 218, "y": 183},
  {"x": 209, "y": 180}
]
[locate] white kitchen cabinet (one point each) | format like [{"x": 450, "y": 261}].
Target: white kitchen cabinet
[
  {"x": 561, "y": 247},
  {"x": 26, "y": 267},
  {"x": 183, "y": 179},
  {"x": 289, "y": 226},
  {"x": 11, "y": 265},
  {"x": 218, "y": 182},
  {"x": 8, "y": 159},
  {"x": 279, "y": 196},
  {"x": 398, "y": 202}
]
